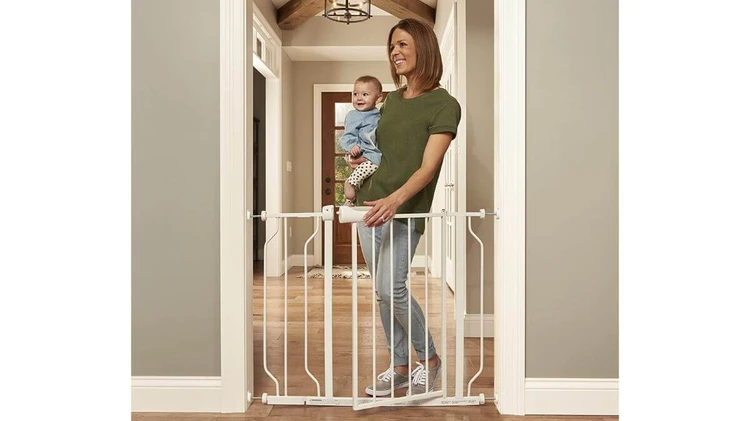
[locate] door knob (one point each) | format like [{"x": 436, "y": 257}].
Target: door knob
[
  {"x": 328, "y": 191},
  {"x": 328, "y": 179}
]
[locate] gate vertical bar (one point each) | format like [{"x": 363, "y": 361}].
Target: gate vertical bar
[
  {"x": 355, "y": 319},
  {"x": 408, "y": 297},
  {"x": 393, "y": 314},
  {"x": 481, "y": 308},
  {"x": 426, "y": 356},
  {"x": 443, "y": 322},
  {"x": 265, "y": 306},
  {"x": 459, "y": 313},
  {"x": 286, "y": 309},
  {"x": 307, "y": 368},
  {"x": 328, "y": 297},
  {"x": 374, "y": 303}
]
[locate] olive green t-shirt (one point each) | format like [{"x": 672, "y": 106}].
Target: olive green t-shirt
[{"x": 402, "y": 133}]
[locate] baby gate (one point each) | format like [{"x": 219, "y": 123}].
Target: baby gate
[{"x": 437, "y": 397}]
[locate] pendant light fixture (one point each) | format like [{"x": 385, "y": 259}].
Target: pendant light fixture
[{"x": 347, "y": 11}]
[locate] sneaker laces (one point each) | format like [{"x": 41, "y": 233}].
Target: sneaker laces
[
  {"x": 419, "y": 375},
  {"x": 385, "y": 376}
]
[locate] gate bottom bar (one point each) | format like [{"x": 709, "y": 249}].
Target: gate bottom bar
[{"x": 438, "y": 400}]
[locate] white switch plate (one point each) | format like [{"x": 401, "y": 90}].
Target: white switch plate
[{"x": 288, "y": 166}]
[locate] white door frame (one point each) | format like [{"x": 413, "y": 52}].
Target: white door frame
[
  {"x": 273, "y": 138},
  {"x": 509, "y": 234},
  {"x": 235, "y": 104},
  {"x": 510, "y": 203},
  {"x": 318, "y": 90}
]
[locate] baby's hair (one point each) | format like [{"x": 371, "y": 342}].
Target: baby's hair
[{"x": 370, "y": 79}]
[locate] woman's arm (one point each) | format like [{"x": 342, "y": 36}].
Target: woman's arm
[{"x": 384, "y": 209}]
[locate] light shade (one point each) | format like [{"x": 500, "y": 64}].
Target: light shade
[{"x": 347, "y": 11}]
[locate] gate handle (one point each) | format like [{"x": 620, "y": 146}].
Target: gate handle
[{"x": 349, "y": 214}]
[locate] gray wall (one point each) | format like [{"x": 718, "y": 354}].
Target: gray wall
[
  {"x": 175, "y": 188},
  {"x": 478, "y": 117},
  {"x": 319, "y": 31},
  {"x": 572, "y": 189},
  {"x": 268, "y": 10}
]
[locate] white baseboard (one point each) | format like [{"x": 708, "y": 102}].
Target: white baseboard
[
  {"x": 419, "y": 260},
  {"x": 299, "y": 260},
  {"x": 571, "y": 396},
  {"x": 472, "y": 325},
  {"x": 175, "y": 394}
]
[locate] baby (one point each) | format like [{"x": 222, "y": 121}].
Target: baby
[{"x": 359, "y": 133}]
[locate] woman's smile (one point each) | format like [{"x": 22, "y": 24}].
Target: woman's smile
[{"x": 403, "y": 54}]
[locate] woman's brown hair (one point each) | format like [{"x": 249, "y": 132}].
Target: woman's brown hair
[{"x": 429, "y": 68}]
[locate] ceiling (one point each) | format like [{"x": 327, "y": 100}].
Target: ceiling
[
  {"x": 338, "y": 52},
  {"x": 375, "y": 10}
]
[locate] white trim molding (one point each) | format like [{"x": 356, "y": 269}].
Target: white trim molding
[
  {"x": 473, "y": 323},
  {"x": 510, "y": 203},
  {"x": 418, "y": 262},
  {"x": 176, "y": 394},
  {"x": 572, "y": 396},
  {"x": 233, "y": 106},
  {"x": 298, "y": 260},
  {"x": 269, "y": 64}
]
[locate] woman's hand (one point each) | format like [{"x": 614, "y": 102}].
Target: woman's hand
[
  {"x": 382, "y": 211},
  {"x": 353, "y": 162}
]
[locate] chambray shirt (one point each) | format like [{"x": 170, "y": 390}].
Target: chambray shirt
[{"x": 359, "y": 129}]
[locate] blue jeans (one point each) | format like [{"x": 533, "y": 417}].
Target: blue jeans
[{"x": 382, "y": 266}]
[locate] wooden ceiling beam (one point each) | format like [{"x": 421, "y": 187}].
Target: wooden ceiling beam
[
  {"x": 297, "y": 12},
  {"x": 403, "y": 9}
]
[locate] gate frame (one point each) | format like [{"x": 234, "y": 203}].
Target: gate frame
[{"x": 509, "y": 184}]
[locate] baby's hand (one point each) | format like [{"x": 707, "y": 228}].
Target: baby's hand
[{"x": 355, "y": 152}]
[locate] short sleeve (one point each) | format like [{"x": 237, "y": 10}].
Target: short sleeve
[
  {"x": 382, "y": 104},
  {"x": 446, "y": 118}
]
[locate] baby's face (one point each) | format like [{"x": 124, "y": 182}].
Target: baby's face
[{"x": 364, "y": 96}]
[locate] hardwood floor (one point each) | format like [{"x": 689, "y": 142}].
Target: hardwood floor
[
  {"x": 301, "y": 384},
  {"x": 300, "y": 413}
]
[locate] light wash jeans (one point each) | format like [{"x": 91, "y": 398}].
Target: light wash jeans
[{"x": 400, "y": 292}]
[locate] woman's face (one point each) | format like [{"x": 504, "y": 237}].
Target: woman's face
[{"x": 403, "y": 55}]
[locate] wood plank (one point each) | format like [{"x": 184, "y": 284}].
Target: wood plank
[
  {"x": 297, "y": 12},
  {"x": 403, "y": 9}
]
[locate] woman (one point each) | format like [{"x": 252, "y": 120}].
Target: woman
[{"x": 418, "y": 122}]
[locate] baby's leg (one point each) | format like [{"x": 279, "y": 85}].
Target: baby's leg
[{"x": 354, "y": 182}]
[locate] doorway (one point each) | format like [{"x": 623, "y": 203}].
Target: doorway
[
  {"x": 259, "y": 165},
  {"x": 334, "y": 107},
  {"x": 509, "y": 184},
  {"x": 319, "y": 179}
]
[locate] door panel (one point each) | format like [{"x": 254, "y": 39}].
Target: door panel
[{"x": 449, "y": 170}]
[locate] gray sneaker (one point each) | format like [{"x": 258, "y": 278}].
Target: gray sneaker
[
  {"x": 383, "y": 383},
  {"x": 419, "y": 378}
]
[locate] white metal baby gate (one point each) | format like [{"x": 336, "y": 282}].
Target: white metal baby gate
[{"x": 437, "y": 397}]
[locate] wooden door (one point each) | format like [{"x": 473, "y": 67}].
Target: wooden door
[{"x": 336, "y": 171}]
